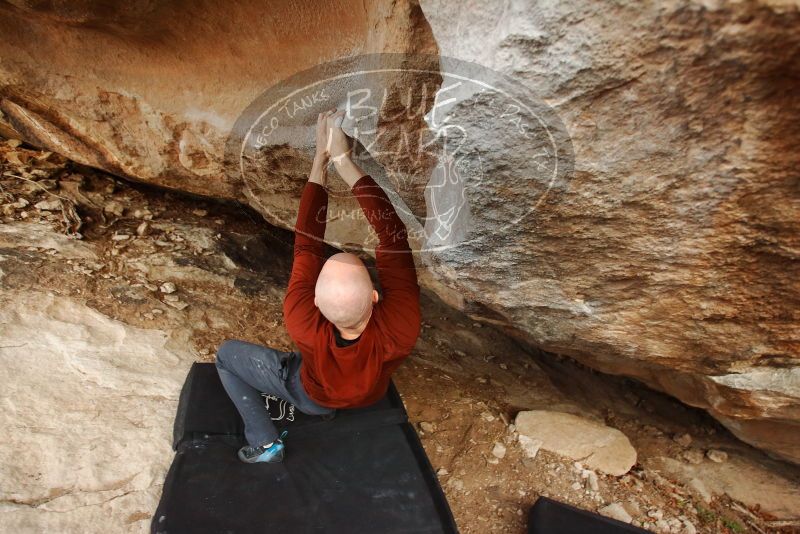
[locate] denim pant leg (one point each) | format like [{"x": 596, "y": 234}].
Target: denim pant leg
[{"x": 246, "y": 370}]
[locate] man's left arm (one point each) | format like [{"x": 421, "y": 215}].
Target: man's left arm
[
  {"x": 394, "y": 263},
  {"x": 393, "y": 257}
]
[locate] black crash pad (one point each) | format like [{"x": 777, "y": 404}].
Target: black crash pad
[
  {"x": 552, "y": 517},
  {"x": 363, "y": 471}
]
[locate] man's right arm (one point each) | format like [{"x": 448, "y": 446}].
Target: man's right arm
[{"x": 299, "y": 312}]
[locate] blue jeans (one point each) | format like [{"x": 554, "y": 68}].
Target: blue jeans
[{"x": 247, "y": 370}]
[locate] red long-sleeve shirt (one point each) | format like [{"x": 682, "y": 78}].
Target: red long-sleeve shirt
[{"x": 358, "y": 374}]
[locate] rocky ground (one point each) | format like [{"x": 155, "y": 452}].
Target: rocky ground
[{"x": 112, "y": 289}]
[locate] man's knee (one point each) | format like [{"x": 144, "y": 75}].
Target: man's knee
[{"x": 226, "y": 350}]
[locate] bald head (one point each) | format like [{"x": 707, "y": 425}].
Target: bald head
[{"x": 344, "y": 292}]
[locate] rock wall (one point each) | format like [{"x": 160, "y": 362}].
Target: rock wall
[
  {"x": 89, "y": 403},
  {"x": 670, "y": 256},
  {"x": 150, "y": 90}
]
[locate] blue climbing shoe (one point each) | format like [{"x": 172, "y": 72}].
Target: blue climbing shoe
[{"x": 273, "y": 453}]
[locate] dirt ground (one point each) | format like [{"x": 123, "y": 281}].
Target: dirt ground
[{"x": 174, "y": 261}]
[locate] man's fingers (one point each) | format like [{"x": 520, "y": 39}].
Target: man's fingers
[
  {"x": 328, "y": 142},
  {"x": 338, "y": 118},
  {"x": 335, "y": 120}
]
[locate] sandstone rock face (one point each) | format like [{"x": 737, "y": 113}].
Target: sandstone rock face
[
  {"x": 150, "y": 90},
  {"x": 88, "y": 404},
  {"x": 595, "y": 445},
  {"x": 671, "y": 255}
]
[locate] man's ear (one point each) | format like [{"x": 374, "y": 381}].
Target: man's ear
[
  {"x": 315, "y": 301},
  {"x": 375, "y": 297}
]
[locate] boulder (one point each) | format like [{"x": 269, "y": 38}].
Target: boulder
[
  {"x": 672, "y": 255},
  {"x": 594, "y": 444},
  {"x": 668, "y": 253}
]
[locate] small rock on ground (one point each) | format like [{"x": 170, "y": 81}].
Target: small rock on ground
[
  {"x": 427, "y": 427},
  {"x": 616, "y": 511},
  {"x": 684, "y": 440},
  {"x": 499, "y": 450},
  {"x": 530, "y": 446},
  {"x": 168, "y": 287},
  {"x": 48, "y": 205},
  {"x": 114, "y": 208},
  {"x": 693, "y": 456}
]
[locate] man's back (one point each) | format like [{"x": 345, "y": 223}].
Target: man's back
[{"x": 357, "y": 374}]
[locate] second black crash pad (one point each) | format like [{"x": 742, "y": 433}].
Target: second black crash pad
[
  {"x": 552, "y": 517},
  {"x": 363, "y": 471}
]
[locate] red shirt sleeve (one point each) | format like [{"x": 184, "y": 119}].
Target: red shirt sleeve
[
  {"x": 299, "y": 311},
  {"x": 395, "y": 264}
]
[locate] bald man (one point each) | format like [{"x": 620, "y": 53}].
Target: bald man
[{"x": 350, "y": 340}]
